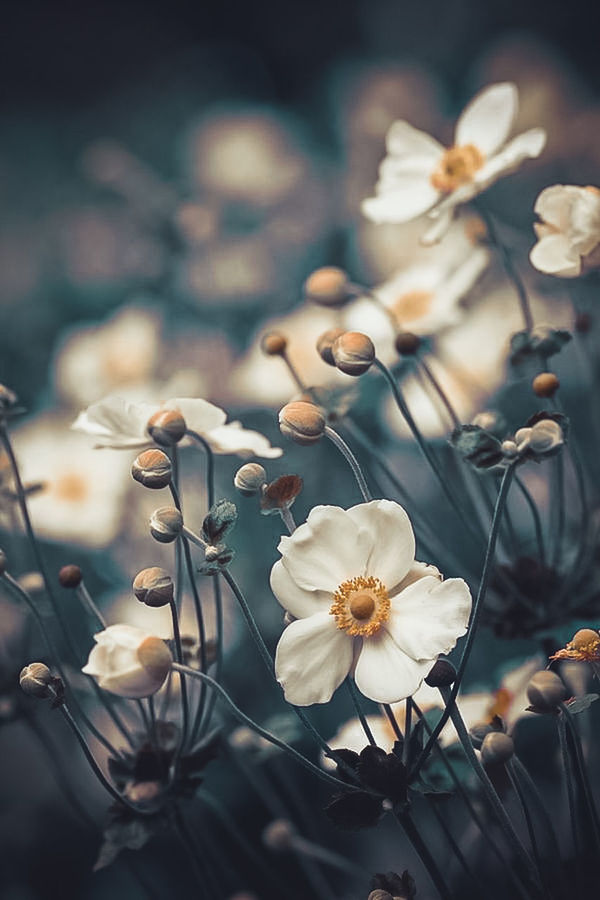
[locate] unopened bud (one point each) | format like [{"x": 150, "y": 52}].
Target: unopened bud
[
  {"x": 546, "y": 691},
  {"x": 273, "y": 343},
  {"x": 302, "y": 422},
  {"x": 326, "y": 342},
  {"x": 407, "y": 343},
  {"x": 153, "y": 586},
  {"x": 545, "y": 384},
  {"x": 166, "y": 427},
  {"x": 155, "y": 657},
  {"x": 249, "y": 479},
  {"x": 166, "y": 524},
  {"x": 279, "y": 835},
  {"x": 70, "y": 576},
  {"x": 497, "y": 748},
  {"x": 152, "y": 468},
  {"x": 329, "y": 286},
  {"x": 37, "y": 680},
  {"x": 353, "y": 353},
  {"x": 479, "y": 732},
  {"x": 443, "y": 674},
  {"x": 510, "y": 449},
  {"x": 545, "y": 435}
]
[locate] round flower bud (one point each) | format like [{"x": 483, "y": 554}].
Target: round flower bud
[
  {"x": 166, "y": 524},
  {"x": 302, "y": 422},
  {"x": 152, "y": 468},
  {"x": 166, "y": 427},
  {"x": 279, "y": 835},
  {"x": 326, "y": 342},
  {"x": 546, "y": 691},
  {"x": 70, "y": 576},
  {"x": 510, "y": 449},
  {"x": 407, "y": 343},
  {"x": 153, "y": 586},
  {"x": 128, "y": 661},
  {"x": 36, "y": 680},
  {"x": 3, "y": 562},
  {"x": 497, "y": 748},
  {"x": 545, "y": 435},
  {"x": 249, "y": 479},
  {"x": 273, "y": 343},
  {"x": 584, "y": 639},
  {"x": 479, "y": 732},
  {"x": 328, "y": 286},
  {"x": 443, "y": 674},
  {"x": 545, "y": 384},
  {"x": 353, "y": 353}
]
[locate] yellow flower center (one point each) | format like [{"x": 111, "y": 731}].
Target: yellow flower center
[
  {"x": 503, "y": 699},
  {"x": 361, "y": 605},
  {"x": 72, "y": 488},
  {"x": 412, "y": 305},
  {"x": 457, "y": 166}
]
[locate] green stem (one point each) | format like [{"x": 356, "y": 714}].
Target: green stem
[
  {"x": 350, "y": 458},
  {"x": 412, "y": 833},
  {"x": 537, "y": 522}
]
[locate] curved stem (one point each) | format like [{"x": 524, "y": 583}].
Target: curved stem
[
  {"x": 210, "y": 465},
  {"x": 535, "y": 514},
  {"x": 350, "y": 458}
]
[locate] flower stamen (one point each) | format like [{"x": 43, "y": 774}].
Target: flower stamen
[
  {"x": 361, "y": 605},
  {"x": 457, "y": 166}
]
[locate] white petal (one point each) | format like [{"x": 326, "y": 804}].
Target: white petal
[
  {"x": 200, "y": 415},
  {"x": 326, "y": 550},
  {"x": 555, "y": 255},
  {"x": 299, "y": 602},
  {"x": 233, "y": 438},
  {"x": 385, "y": 673},
  {"x": 403, "y": 141},
  {"x": 391, "y": 538},
  {"x": 313, "y": 657},
  {"x": 487, "y": 120},
  {"x": 554, "y": 204},
  {"x": 525, "y": 146},
  {"x": 401, "y": 200},
  {"x": 427, "y": 617},
  {"x": 116, "y": 422}
]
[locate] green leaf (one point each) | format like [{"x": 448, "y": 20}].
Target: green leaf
[
  {"x": 477, "y": 446},
  {"x": 219, "y": 521}
]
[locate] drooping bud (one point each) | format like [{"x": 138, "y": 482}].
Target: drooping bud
[
  {"x": 497, "y": 748},
  {"x": 153, "y": 586},
  {"x": 546, "y": 691},
  {"x": 166, "y": 427},
  {"x": 325, "y": 344},
  {"x": 152, "y": 468},
  {"x": 443, "y": 674},
  {"x": 37, "y": 680},
  {"x": 545, "y": 384},
  {"x": 249, "y": 479},
  {"x": 407, "y": 343},
  {"x": 302, "y": 422},
  {"x": 166, "y": 524},
  {"x": 329, "y": 286},
  {"x": 353, "y": 353},
  {"x": 273, "y": 343},
  {"x": 70, "y": 576}
]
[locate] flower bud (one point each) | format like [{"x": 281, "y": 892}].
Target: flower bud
[
  {"x": 479, "y": 732},
  {"x": 37, "y": 680},
  {"x": 546, "y": 691},
  {"x": 353, "y": 353},
  {"x": 166, "y": 524},
  {"x": 497, "y": 748},
  {"x": 166, "y": 427},
  {"x": 545, "y": 384},
  {"x": 545, "y": 435},
  {"x": 249, "y": 479},
  {"x": 302, "y": 422},
  {"x": 153, "y": 586},
  {"x": 585, "y": 640},
  {"x": 407, "y": 343},
  {"x": 379, "y": 894},
  {"x": 443, "y": 674},
  {"x": 152, "y": 468},
  {"x": 329, "y": 286},
  {"x": 510, "y": 449},
  {"x": 70, "y": 576},
  {"x": 128, "y": 661},
  {"x": 273, "y": 343},
  {"x": 326, "y": 342},
  {"x": 278, "y": 835}
]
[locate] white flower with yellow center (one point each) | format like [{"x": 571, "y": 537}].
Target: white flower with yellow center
[
  {"x": 568, "y": 231},
  {"x": 362, "y": 605},
  {"x": 419, "y": 175}
]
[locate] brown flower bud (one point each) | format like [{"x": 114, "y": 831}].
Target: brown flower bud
[
  {"x": 153, "y": 586},
  {"x": 155, "y": 657},
  {"x": 166, "y": 427},
  {"x": 497, "y": 748},
  {"x": 249, "y": 479},
  {"x": 353, "y": 352},
  {"x": 326, "y": 342},
  {"x": 329, "y": 286},
  {"x": 545, "y": 384},
  {"x": 37, "y": 680},
  {"x": 443, "y": 674},
  {"x": 273, "y": 343},
  {"x": 70, "y": 576},
  {"x": 166, "y": 524},
  {"x": 152, "y": 468},
  {"x": 302, "y": 422},
  {"x": 278, "y": 835},
  {"x": 407, "y": 343},
  {"x": 546, "y": 691}
]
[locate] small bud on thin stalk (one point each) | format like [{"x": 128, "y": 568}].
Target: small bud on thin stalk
[
  {"x": 154, "y": 587},
  {"x": 166, "y": 427},
  {"x": 152, "y": 468},
  {"x": 353, "y": 353},
  {"x": 329, "y": 286},
  {"x": 302, "y": 422}
]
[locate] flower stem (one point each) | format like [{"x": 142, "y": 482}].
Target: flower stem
[
  {"x": 350, "y": 458},
  {"x": 356, "y": 703},
  {"x": 535, "y": 514},
  {"x": 425, "y": 856},
  {"x": 185, "y": 708},
  {"x": 210, "y": 466}
]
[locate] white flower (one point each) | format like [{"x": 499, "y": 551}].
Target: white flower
[
  {"x": 116, "y": 422},
  {"x": 568, "y": 231},
  {"x": 362, "y": 605},
  {"x": 128, "y": 661},
  {"x": 420, "y": 175}
]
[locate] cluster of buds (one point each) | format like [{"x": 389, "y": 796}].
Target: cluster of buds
[{"x": 543, "y": 437}]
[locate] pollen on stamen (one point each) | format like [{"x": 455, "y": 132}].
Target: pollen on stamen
[
  {"x": 457, "y": 166},
  {"x": 360, "y": 606}
]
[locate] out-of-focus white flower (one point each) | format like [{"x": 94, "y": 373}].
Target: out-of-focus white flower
[
  {"x": 419, "y": 175},
  {"x": 361, "y": 604},
  {"x": 568, "y": 231},
  {"x": 115, "y": 422},
  {"x": 128, "y": 661},
  {"x": 83, "y": 495}
]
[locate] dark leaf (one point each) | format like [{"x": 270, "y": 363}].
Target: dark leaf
[
  {"x": 477, "y": 446},
  {"x": 219, "y": 521},
  {"x": 354, "y": 810}
]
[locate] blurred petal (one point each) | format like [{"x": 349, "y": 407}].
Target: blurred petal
[
  {"x": 401, "y": 199},
  {"x": 554, "y": 255},
  {"x": 233, "y": 438},
  {"x": 313, "y": 657},
  {"x": 419, "y": 149},
  {"x": 487, "y": 120},
  {"x": 200, "y": 415}
]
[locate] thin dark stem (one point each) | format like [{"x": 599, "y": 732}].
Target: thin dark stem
[
  {"x": 356, "y": 703},
  {"x": 210, "y": 466},
  {"x": 425, "y": 856},
  {"x": 581, "y": 773},
  {"x": 392, "y": 720},
  {"x": 350, "y": 458},
  {"x": 440, "y": 392},
  {"x": 183, "y": 685},
  {"x": 537, "y": 522}
]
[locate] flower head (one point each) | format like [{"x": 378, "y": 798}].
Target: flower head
[
  {"x": 362, "y": 604},
  {"x": 568, "y": 232},
  {"x": 128, "y": 661},
  {"x": 419, "y": 175}
]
